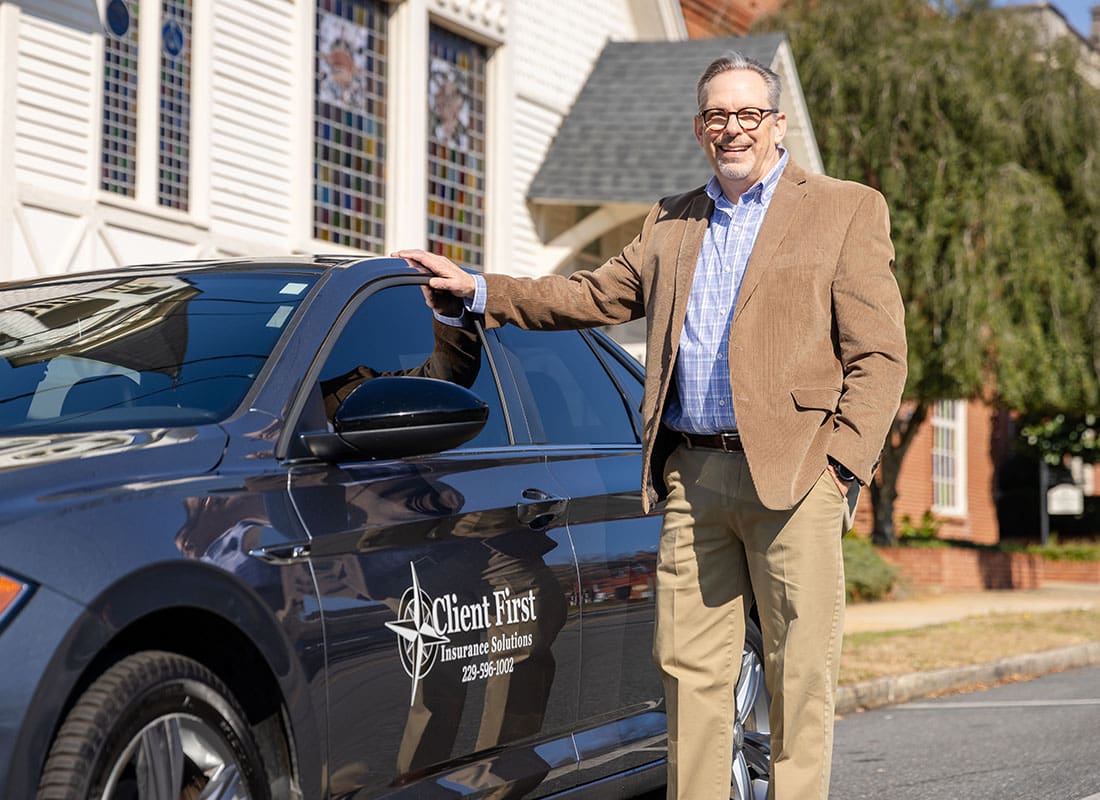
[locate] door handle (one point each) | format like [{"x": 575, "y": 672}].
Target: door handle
[
  {"x": 538, "y": 508},
  {"x": 282, "y": 554}
]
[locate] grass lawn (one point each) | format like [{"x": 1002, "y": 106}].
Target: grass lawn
[{"x": 975, "y": 640}]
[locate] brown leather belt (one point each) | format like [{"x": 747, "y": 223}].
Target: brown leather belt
[{"x": 729, "y": 441}]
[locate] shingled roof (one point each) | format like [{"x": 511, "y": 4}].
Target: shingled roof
[{"x": 628, "y": 137}]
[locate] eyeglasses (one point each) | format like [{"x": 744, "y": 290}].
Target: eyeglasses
[{"x": 716, "y": 119}]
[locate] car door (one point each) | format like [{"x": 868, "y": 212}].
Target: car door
[
  {"x": 444, "y": 582},
  {"x": 580, "y": 400}
]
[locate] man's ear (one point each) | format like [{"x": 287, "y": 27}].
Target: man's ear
[
  {"x": 697, "y": 124},
  {"x": 779, "y": 130}
]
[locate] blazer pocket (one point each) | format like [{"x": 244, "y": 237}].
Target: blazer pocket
[{"x": 821, "y": 399}]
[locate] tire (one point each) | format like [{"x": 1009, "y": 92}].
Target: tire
[
  {"x": 752, "y": 731},
  {"x": 155, "y": 719}
]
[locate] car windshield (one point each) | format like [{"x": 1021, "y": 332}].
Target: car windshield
[{"x": 142, "y": 351}]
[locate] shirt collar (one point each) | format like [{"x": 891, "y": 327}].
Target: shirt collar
[{"x": 760, "y": 192}]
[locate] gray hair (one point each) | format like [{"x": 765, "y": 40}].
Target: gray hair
[{"x": 735, "y": 60}]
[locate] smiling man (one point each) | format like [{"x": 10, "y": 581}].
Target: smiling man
[{"x": 775, "y": 363}]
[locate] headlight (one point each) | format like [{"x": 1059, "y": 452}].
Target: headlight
[{"x": 12, "y": 594}]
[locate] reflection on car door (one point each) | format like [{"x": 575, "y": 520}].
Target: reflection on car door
[
  {"x": 444, "y": 583},
  {"x": 588, "y": 422}
]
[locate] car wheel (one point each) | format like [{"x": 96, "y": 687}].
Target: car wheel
[
  {"x": 751, "y": 733},
  {"x": 155, "y": 725}
]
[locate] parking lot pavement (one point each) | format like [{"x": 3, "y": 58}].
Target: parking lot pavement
[{"x": 1033, "y": 740}]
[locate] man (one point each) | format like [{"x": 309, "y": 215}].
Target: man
[{"x": 774, "y": 365}]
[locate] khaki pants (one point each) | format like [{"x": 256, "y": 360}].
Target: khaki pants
[{"x": 719, "y": 548}]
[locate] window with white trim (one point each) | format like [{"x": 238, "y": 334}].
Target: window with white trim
[
  {"x": 349, "y": 123},
  {"x": 126, "y": 55},
  {"x": 949, "y": 457},
  {"x": 456, "y": 147}
]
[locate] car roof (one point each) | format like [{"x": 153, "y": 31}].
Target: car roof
[{"x": 365, "y": 266}]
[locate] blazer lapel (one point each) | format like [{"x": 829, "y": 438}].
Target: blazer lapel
[
  {"x": 777, "y": 222},
  {"x": 691, "y": 242}
]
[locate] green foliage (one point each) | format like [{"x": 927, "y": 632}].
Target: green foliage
[
  {"x": 923, "y": 534},
  {"x": 986, "y": 145},
  {"x": 1051, "y": 438},
  {"x": 985, "y": 142},
  {"x": 1067, "y": 551},
  {"x": 866, "y": 575}
]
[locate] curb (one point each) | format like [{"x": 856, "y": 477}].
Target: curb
[{"x": 902, "y": 688}]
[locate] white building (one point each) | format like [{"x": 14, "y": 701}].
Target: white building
[{"x": 135, "y": 131}]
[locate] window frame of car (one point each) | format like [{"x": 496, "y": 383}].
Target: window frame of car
[
  {"x": 518, "y": 430},
  {"x": 591, "y": 340},
  {"x": 289, "y": 447}
]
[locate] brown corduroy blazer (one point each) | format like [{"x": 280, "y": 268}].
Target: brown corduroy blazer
[{"x": 817, "y": 350}]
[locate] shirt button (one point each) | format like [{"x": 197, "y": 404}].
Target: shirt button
[{"x": 721, "y": 402}]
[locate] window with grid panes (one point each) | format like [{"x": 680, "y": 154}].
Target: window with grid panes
[
  {"x": 170, "y": 56},
  {"x": 949, "y": 457},
  {"x": 456, "y": 147},
  {"x": 349, "y": 116},
  {"x": 174, "y": 130},
  {"x": 118, "y": 171}
]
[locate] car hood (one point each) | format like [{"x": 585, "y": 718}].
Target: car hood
[{"x": 48, "y": 468}]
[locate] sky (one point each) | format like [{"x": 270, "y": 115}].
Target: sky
[{"x": 1076, "y": 11}]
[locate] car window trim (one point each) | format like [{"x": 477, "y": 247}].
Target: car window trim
[
  {"x": 312, "y": 374},
  {"x": 604, "y": 347}
]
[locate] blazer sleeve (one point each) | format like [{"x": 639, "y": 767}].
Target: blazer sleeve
[
  {"x": 608, "y": 295},
  {"x": 870, "y": 321}
]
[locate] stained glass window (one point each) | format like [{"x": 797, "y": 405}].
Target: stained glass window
[
  {"x": 175, "y": 103},
  {"x": 456, "y": 147},
  {"x": 349, "y": 116},
  {"x": 120, "y": 79}
]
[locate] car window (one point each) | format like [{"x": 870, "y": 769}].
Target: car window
[
  {"x": 567, "y": 395},
  {"x": 626, "y": 372},
  {"x": 144, "y": 351},
  {"x": 394, "y": 332}
]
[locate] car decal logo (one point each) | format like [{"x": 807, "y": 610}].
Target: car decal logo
[
  {"x": 497, "y": 627},
  {"x": 418, "y": 633}
]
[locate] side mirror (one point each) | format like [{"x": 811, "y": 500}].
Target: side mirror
[{"x": 392, "y": 417}]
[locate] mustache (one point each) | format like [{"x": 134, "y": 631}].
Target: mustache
[{"x": 727, "y": 139}]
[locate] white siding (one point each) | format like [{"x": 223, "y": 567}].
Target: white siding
[
  {"x": 535, "y": 129},
  {"x": 556, "y": 42},
  {"x": 252, "y": 118},
  {"x": 55, "y": 99}
]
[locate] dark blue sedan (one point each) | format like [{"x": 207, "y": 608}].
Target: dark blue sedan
[{"x": 297, "y": 528}]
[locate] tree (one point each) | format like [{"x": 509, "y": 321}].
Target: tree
[
  {"x": 1054, "y": 438},
  {"x": 987, "y": 149}
]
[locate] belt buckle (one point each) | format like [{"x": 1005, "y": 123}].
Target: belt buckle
[{"x": 731, "y": 441}]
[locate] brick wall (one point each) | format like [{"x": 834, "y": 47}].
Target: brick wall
[
  {"x": 706, "y": 18},
  {"x": 960, "y": 570},
  {"x": 987, "y": 438},
  {"x": 1075, "y": 571}
]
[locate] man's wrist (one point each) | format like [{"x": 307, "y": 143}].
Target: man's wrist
[
  {"x": 476, "y": 303},
  {"x": 841, "y": 471}
]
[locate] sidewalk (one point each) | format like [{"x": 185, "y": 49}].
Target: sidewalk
[{"x": 936, "y": 609}]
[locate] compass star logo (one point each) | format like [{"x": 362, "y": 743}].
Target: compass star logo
[{"x": 418, "y": 633}]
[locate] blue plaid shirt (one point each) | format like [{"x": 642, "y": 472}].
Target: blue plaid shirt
[{"x": 703, "y": 402}]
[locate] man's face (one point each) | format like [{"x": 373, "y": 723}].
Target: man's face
[{"x": 738, "y": 157}]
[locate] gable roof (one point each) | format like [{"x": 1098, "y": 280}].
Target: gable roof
[{"x": 628, "y": 137}]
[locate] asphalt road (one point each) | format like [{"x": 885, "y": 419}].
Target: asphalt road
[{"x": 1035, "y": 740}]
